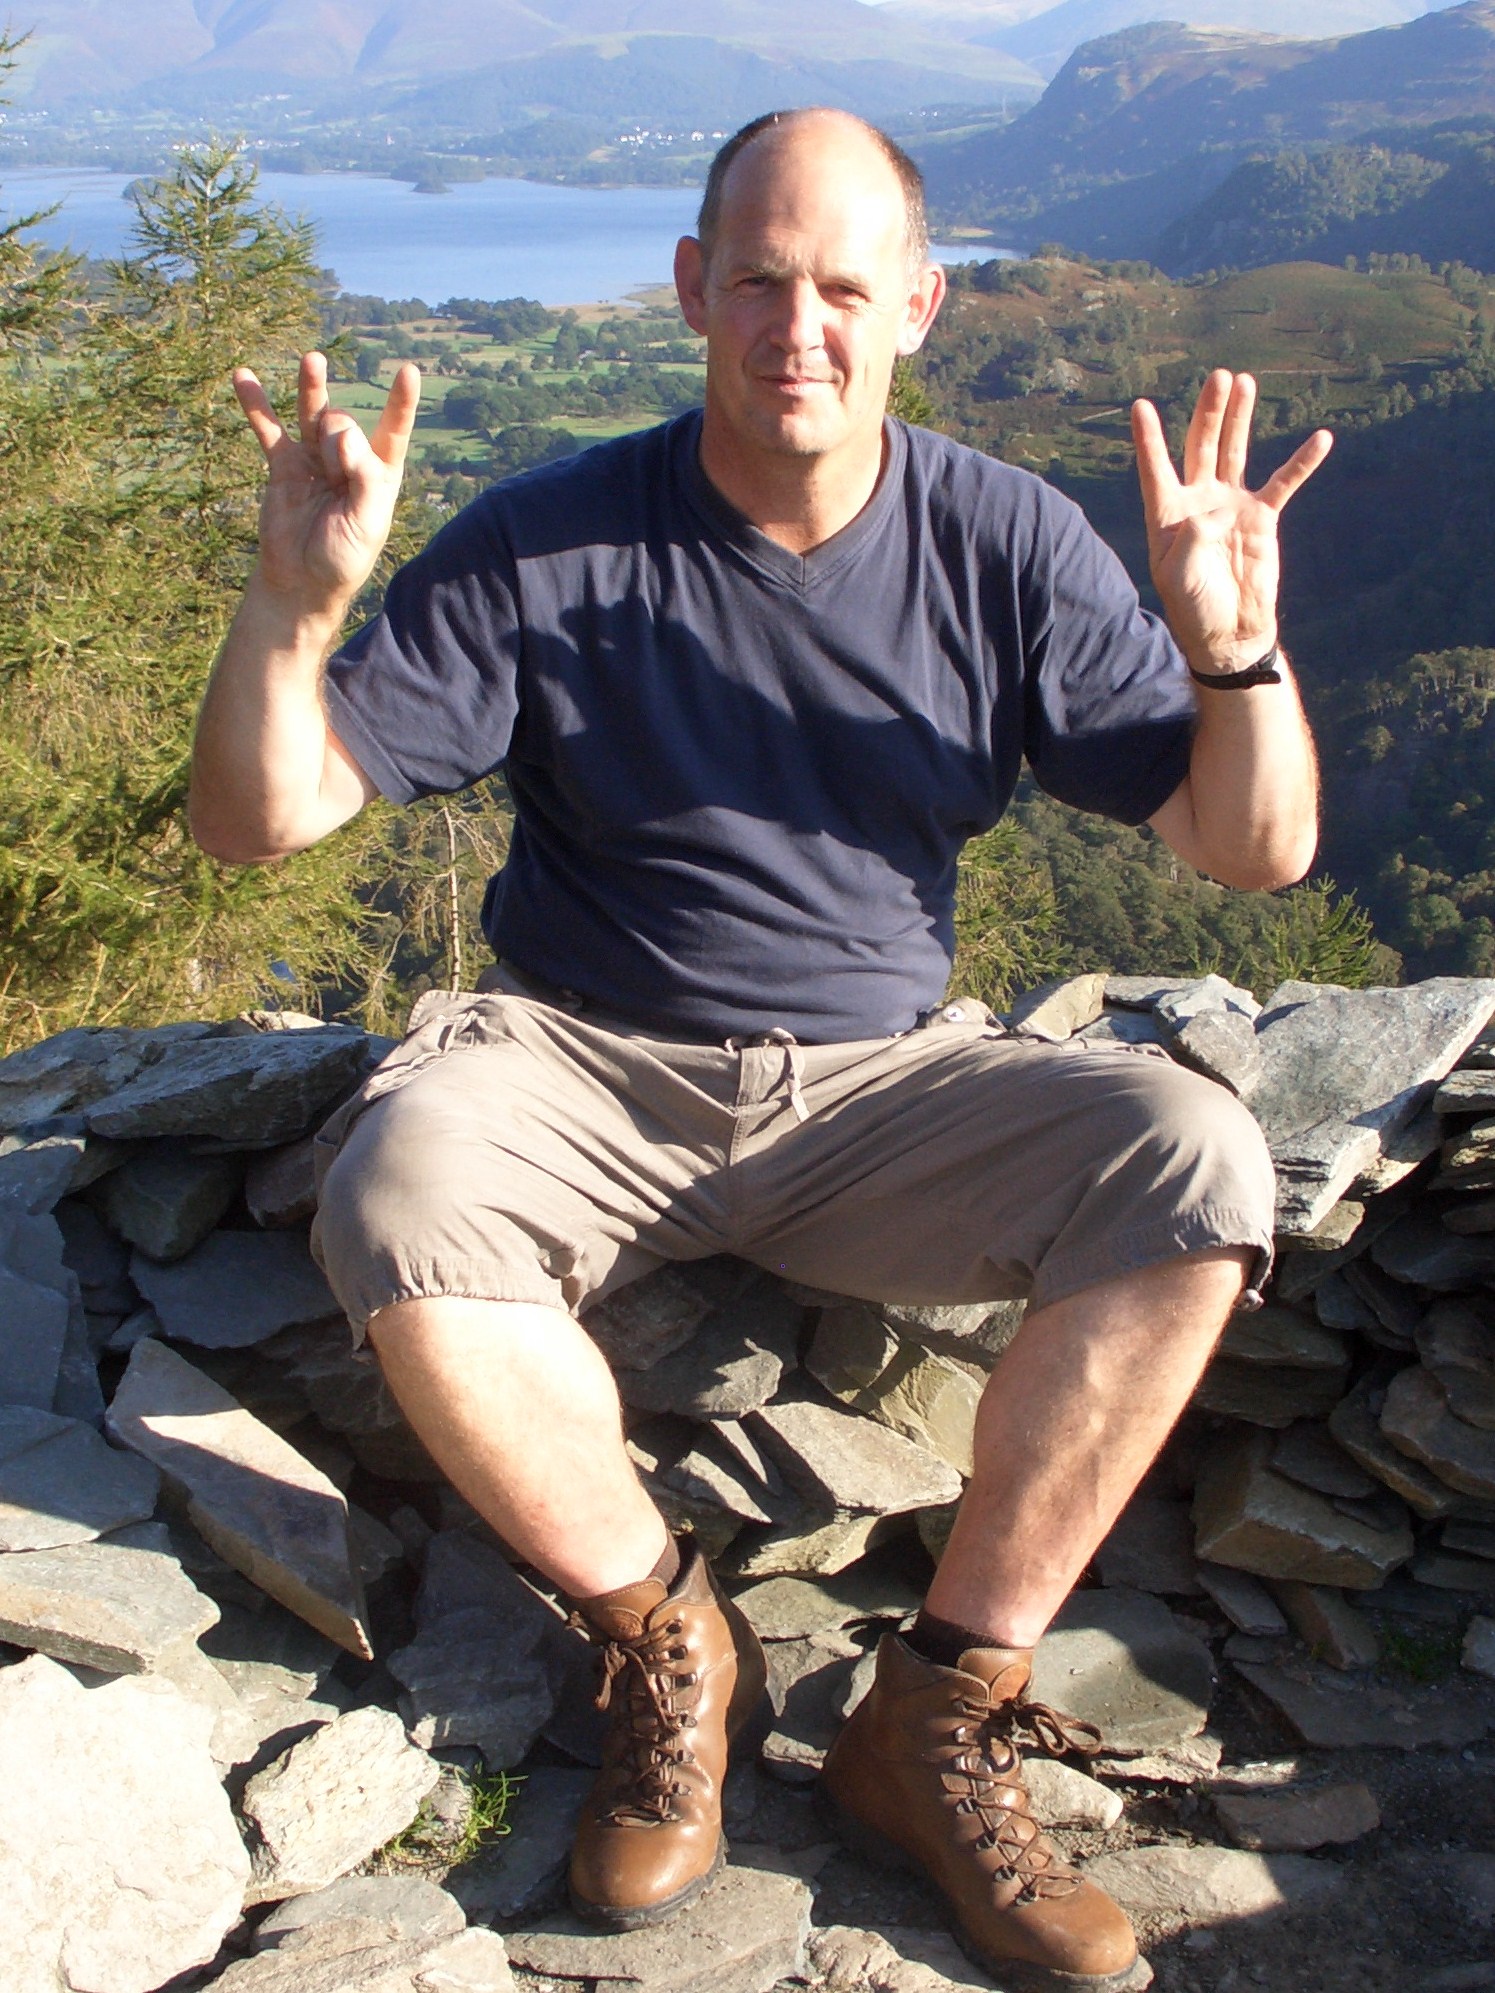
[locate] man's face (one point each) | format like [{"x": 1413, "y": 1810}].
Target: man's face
[{"x": 808, "y": 298}]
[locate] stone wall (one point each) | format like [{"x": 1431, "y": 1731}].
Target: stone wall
[{"x": 239, "y": 1598}]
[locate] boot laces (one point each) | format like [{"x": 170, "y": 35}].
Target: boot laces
[
  {"x": 990, "y": 1759},
  {"x": 646, "y": 1671}
]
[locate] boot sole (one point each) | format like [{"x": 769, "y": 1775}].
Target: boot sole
[
  {"x": 606, "y": 1917},
  {"x": 1011, "y": 1975}
]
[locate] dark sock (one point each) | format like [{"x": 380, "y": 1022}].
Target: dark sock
[
  {"x": 942, "y": 1642},
  {"x": 667, "y": 1570}
]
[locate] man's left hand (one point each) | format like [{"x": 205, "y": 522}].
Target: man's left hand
[{"x": 1211, "y": 542}]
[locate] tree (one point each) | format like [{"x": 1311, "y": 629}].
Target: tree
[{"x": 128, "y": 499}]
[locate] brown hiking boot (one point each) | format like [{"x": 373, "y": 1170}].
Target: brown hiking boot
[
  {"x": 927, "y": 1772},
  {"x": 683, "y": 1674}
]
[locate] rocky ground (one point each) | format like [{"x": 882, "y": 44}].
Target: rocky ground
[{"x": 268, "y": 1683}]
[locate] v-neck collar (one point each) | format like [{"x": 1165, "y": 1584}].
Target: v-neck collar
[{"x": 778, "y": 563}]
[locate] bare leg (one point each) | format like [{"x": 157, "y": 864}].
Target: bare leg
[
  {"x": 517, "y": 1406},
  {"x": 1073, "y": 1415}
]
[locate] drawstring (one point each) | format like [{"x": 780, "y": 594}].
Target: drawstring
[{"x": 791, "y": 1074}]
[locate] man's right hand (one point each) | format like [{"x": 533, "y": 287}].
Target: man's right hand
[{"x": 330, "y": 498}]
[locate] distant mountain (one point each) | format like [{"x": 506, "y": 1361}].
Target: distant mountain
[
  {"x": 366, "y": 53},
  {"x": 1047, "y": 38},
  {"x": 1140, "y": 126}
]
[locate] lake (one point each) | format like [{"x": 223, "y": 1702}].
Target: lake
[{"x": 484, "y": 239}]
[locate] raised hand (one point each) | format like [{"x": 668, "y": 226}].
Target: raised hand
[
  {"x": 1211, "y": 542},
  {"x": 331, "y": 492}
]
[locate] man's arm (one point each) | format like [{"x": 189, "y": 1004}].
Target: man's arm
[
  {"x": 268, "y": 774},
  {"x": 1247, "y": 812}
]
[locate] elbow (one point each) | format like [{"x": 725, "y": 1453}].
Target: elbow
[
  {"x": 1270, "y": 870},
  {"x": 223, "y": 839}
]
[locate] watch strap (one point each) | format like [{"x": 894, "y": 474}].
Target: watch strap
[{"x": 1263, "y": 672}]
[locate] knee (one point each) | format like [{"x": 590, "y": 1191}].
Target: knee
[{"x": 1214, "y": 1145}]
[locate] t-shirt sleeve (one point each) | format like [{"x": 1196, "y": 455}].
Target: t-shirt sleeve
[
  {"x": 425, "y": 696},
  {"x": 1109, "y": 719}
]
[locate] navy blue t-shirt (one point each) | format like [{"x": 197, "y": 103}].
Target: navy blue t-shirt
[{"x": 741, "y": 776}]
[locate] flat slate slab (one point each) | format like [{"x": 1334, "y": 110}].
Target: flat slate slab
[
  {"x": 236, "y": 1289},
  {"x": 101, "y": 1606},
  {"x": 837, "y": 1458},
  {"x": 263, "y": 1507},
  {"x": 256, "y": 1091},
  {"x": 61, "y": 1483},
  {"x": 72, "y": 1068},
  {"x": 1249, "y": 1516},
  {"x": 1417, "y": 1420},
  {"x": 324, "y": 1807},
  {"x": 167, "y": 1200},
  {"x": 1333, "y": 1712},
  {"x": 37, "y": 1298},
  {"x": 1120, "y": 1660},
  {"x": 1205, "y": 1886},
  {"x": 743, "y": 1935},
  {"x": 1343, "y": 1071},
  {"x": 120, "y": 1865}
]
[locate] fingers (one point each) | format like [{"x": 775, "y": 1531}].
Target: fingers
[
  {"x": 1155, "y": 469},
  {"x": 1202, "y": 444},
  {"x": 311, "y": 395},
  {"x": 393, "y": 430},
  {"x": 261, "y": 417},
  {"x": 1235, "y": 430},
  {"x": 1298, "y": 469}
]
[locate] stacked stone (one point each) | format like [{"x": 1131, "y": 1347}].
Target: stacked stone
[{"x": 213, "y": 1517}]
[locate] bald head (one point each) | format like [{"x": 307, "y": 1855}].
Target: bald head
[{"x": 835, "y": 132}]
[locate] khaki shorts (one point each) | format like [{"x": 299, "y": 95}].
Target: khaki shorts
[{"x": 512, "y": 1150}]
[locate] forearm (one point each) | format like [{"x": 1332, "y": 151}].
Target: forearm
[
  {"x": 1248, "y": 813},
  {"x": 261, "y": 751}
]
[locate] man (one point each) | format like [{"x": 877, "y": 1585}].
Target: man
[{"x": 753, "y": 678}]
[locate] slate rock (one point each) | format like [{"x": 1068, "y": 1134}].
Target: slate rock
[
  {"x": 1121, "y": 1660},
  {"x": 61, "y": 1483},
  {"x": 1356, "y": 1423},
  {"x": 1055, "y": 1011},
  {"x": 1332, "y": 1233},
  {"x": 45, "y": 1162},
  {"x": 1256, "y": 1520},
  {"x": 975, "y": 1331},
  {"x": 1308, "y": 1454},
  {"x": 818, "y": 1543},
  {"x": 265, "y": 1510},
  {"x": 1127, "y": 1027},
  {"x": 650, "y": 1318},
  {"x": 120, "y": 1867},
  {"x": 849, "y": 1463},
  {"x": 118, "y": 1610},
  {"x": 807, "y": 1680},
  {"x": 166, "y": 1200},
  {"x": 401, "y": 1907},
  {"x": 1478, "y": 1653},
  {"x": 733, "y": 1363},
  {"x": 1470, "y": 1216},
  {"x": 742, "y": 1935},
  {"x": 66, "y": 1071},
  {"x": 1066, "y": 1798},
  {"x": 78, "y": 1393},
  {"x": 1328, "y": 1625},
  {"x": 346, "y": 1389},
  {"x": 700, "y": 1477},
  {"x": 1344, "y": 1070},
  {"x": 251, "y": 1092},
  {"x": 1202, "y": 1887},
  {"x": 1417, "y": 1420},
  {"x": 526, "y": 1870},
  {"x": 1421, "y": 1252},
  {"x": 469, "y": 1962},
  {"x": 491, "y": 1658},
  {"x": 330, "y": 1801},
  {"x": 236, "y": 1289},
  {"x": 280, "y": 1185},
  {"x": 1223, "y": 1046},
  {"x": 1396, "y": 1309},
  {"x": 1467, "y": 1091},
  {"x": 1279, "y": 1338},
  {"x": 37, "y": 1296},
  {"x": 1332, "y": 1712},
  {"x": 794, "y": 1608},
  {"x": 1245, "y": 1602},
  {"x": 1456, "y": 1342},
  {"x": 1267, "y": 1397},
  {"x": 1150, "y": 1548},
  {"x": 929, "y": 1398}
]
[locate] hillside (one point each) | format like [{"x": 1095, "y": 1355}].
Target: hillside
[
  {"x": 371, "y": 52},
  {"x": 1140, "y": 126}
]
